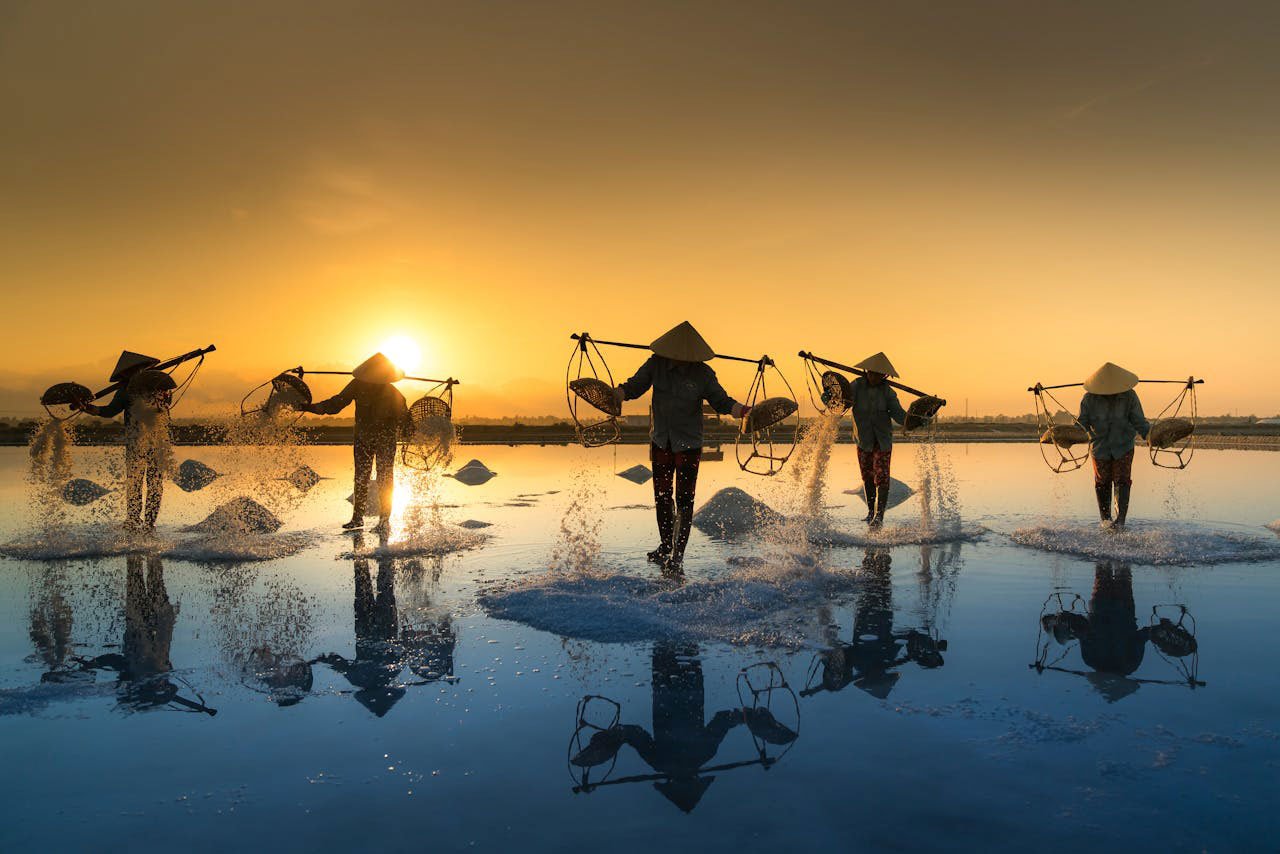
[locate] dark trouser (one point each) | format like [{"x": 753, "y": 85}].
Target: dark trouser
[
  {"x": 675, "y": 480},
  {"x": 142, "y": 470},
  {"x": 1118, "y": 471},
  {"x": 379, "y": 445}
]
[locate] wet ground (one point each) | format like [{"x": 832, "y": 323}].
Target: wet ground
[{"x": 1022, "y": 680}]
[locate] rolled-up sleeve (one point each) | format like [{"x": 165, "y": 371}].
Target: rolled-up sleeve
[
  {"x": 641, "y": 382},
  {"x": 114, "y": 408}
]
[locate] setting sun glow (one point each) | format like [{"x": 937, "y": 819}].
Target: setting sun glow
[{"x": 404, "y": 351}]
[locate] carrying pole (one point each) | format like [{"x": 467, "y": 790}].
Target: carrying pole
[
  {"x": 1186, "y": 382},
  {"x": 159, "y": 366},
  {"x": 860, "y": 372},
  {"x": 584, "y": 337},
  {"x": 300, "y": 371}
]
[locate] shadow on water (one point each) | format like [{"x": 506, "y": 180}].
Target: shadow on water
[
  {"x": 1108, "y": 640},
  {"x": 683, "y": 744}
]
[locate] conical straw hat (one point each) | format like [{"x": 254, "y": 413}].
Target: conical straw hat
[
  {"x": 1110, "y": 379},
  {"x": 129, "y": 362},
  {"x": 879, "y": 363},
  {"x": 684, "y": 344},
  {"x": 378, "y": 369}
]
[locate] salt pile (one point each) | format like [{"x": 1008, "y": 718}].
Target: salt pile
[
  {"x": 240, "y": 515},
  {"x": 193, "y": 475},
  {"x": 757, "y": 605},
  {"x": 1151, "y": 543},
  {"x": 303, "y": 478},
  {"x": 637, "y": 474},
  {"x": 1275, "y": 526},
  {"x": 732, "y": 512},
  {"x": 474, "y": 473},
  {"x": 898, "y": 492},
  {"x": 474, "y": 524},
  {"x": 81, "y": 492}
]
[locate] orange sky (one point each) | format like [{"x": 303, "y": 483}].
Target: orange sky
[{"x": 993, "y": 196}]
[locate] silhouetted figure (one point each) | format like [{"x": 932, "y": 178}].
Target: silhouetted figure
[
  {"x": 382, "y": 416},
  {"x": 144, "y": 398},
  {"x": 874, "y": 406},
  {"x": 1111, "y": 412},
  {"x": 143, "y": 660},
  {"x": 375, "y": 670},
  {"x": 681, "y": 380},
  {"x": 870, "y": 660},
  {"x": 683, "y": 743}
]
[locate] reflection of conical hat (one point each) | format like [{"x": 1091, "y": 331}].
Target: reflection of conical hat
[
  {"x": 1110, "y": 379},
  {"x": 378, "y": 369},
  {"x": 879, "y": 363},
  {"x": 684, "y": 792},
  {"x": 684, "y": 344},
  {"x": 130, "y": 361}
]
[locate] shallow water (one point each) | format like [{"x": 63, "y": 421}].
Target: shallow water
[{"x": 313, "y": 688}]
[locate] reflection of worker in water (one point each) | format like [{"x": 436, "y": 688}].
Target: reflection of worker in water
[
  {"x": 681, "y": 380},
  {"x": 143, "y": 660},
  {"x": 1111, "y": 642},
  {"x": 870, "y": 659},
  {"x": 375, "y": 671},
  {"x": 683, "y": 741},
  {"x": 1111, "y": 412},
  {"x": 382, "y": 415},
  {"x": 874, "y": 406},
  {"x": 144, "y": 398}
]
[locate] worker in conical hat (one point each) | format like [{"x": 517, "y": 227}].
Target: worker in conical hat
[
  {"x": 874, "y": 406},
  {"x": 382, "y": 416},
  {"x": 1111, "y": 412},
  {"x": 143, "y": 397},
  {"x": 681, "y": 380}
]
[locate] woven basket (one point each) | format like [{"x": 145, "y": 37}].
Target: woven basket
[
  {"x": 1065, "y": 435},
  {"x": 1170, "y": 432},
  {"x": 597, "y": 393},
  {"x": 288, "y": 392},
  {"x": 836, "y": 391},
  {"x": 66, "y": 393},
  {"x": 767, "y": 413},
  {"x": 921, "y": 411}
]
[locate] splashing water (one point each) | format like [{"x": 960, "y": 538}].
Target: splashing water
[
  {"x": 577, "y": 550},
  {"x": 50, "y": 468},
  {"x": 273, "y": 451},
  {"x": 939, "y": 497}
]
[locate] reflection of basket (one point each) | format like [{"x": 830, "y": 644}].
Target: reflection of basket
[
  {"x": 767, "y": 413},
  {"x": 1065, "y": 435},
  {"x": 597, "y": 393},
  {"x": 921, "y": 411},
  {"x": 1170, "y": 431}
]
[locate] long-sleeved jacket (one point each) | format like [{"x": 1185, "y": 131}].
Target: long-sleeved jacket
[
  {"x": 873, "y": 407},
  {"x": 121, "y": 402},
  {"x": 379, "y": 407},
  {"x": 678, "y": 391},
  {"x": 1112, "y": 421}
]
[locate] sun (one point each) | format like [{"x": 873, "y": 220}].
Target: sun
[{"x": 403, "y": 351}]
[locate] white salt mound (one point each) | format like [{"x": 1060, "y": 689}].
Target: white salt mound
[
  {"x": 732, "y": 512},
  {"x": 240, "y": 515},
  {"x": 1159, "y": 543},
  {"x": 474, "y": 524},
  {"x": 898, "y": 492},
  {"x": 81, "y": 492},
  {"x": 193, "y": 475},
  {"x": 637, "y": 474},
  {"x": 474, "y": 473},
  {"x": 303, "y": 478}
]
